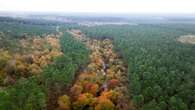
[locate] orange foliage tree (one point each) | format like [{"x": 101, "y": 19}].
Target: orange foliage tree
[
  {"x": 104, "y": 103},
  {"x": 84, "y": 101}
]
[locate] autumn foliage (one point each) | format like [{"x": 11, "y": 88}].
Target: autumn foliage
[
  {"x": 84, "y": 101},
  {"x": 64, "y": 103},
  {"x": 104, "y": 103},
  {"x": 35, "y": 54},
  {"x": 98, "y": 86}
]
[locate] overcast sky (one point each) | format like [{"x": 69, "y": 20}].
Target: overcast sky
[{"x": 100, "y": 6}]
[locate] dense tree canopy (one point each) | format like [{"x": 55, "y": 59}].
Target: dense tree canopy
[
  {"x": 33, "y": 93},
  {"x": 161, "y": 69}
]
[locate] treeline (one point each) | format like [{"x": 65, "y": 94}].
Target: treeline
[
  {"x": 161, "y": 70},
  {"x": 187, "y": 28},
  {"x": 20, "y": 28},
  {"x": 14, "y": 29},
  {"x": 29, "y": 21},
  {"x": 33, "y": 93}
]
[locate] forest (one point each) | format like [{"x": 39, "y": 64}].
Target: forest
[
  {"x": 161, "y": 70},
  {"x": 45, "y": 64},
  {"x": 103, "y": 67}
]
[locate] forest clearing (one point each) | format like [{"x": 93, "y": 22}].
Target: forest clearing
[{"x": 189, "y": 39}]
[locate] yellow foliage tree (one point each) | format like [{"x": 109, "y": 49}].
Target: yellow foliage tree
[{"x": 64, "y": 103}]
